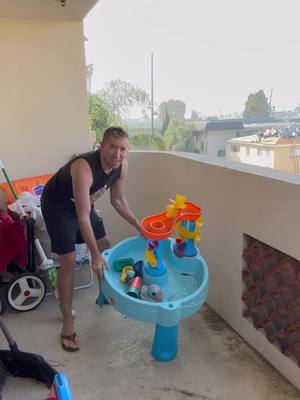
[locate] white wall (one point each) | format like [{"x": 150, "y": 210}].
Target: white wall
[
  {"x": 236, "y": 199},
  {"x": 252, "y": 158},
  {"x": 262, "y": 160},
  {"x": 217, "y": 141},
  {"x": 43, "y": 113}
]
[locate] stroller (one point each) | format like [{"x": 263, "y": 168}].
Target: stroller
[
  {"x": 22, "y": 285},
  {"x": 27, "y": 288},
  {"x": 20, "y": 249},
  {"x": 24, "y": 292},
  {"x": 17, "y": 363}
]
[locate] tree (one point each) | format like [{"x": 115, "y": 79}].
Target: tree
[
  {"x": 176, "y": 109},
  {"x": 112, "y": 102},
  {"x": 99, "y": 115},
  {"x": 142, "y": 141},
  {"x": 257, "y": 105},
  {"x": 120, "y": 96},
  {"x": 194, "y": 115},
  {"x": 179, "y": 136},
  {"x": 165, "y": 122}
]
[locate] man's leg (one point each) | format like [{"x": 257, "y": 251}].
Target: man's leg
[
  {"x": 62, "y": 228},
  {"x": 103, "y": 244},
  {"x": 65, "y": 292}
]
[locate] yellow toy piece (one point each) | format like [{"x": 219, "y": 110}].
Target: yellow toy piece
[
  {"x": 151, "y": 258},
  {"x": 124, "y": 273},
  {"x": 172, "y": 209},
  {"x": 199, "y": 223},
  {"x": 185, "y": 234}
]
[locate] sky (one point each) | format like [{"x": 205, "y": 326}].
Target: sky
[{"x": 210, "y": 54}]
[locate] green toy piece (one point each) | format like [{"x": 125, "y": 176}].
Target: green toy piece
[{"x": 124, "y": 262}]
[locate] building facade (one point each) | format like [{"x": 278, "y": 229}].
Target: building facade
[
  {"x": 211, "y": 136},
  {"x": 282, "y": 153}
]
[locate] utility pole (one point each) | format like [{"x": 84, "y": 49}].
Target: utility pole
[
  {"x": 270, "y": 102},
  {"x": 152, "y": 130}
]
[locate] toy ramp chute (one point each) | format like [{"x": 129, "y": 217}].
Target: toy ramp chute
[{"x": 160, "y": 226}]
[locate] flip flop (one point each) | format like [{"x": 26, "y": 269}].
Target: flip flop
[{"x": 71, "y": 338}]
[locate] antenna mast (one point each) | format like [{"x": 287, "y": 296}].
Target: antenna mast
[{"x": 152, "y": 130}]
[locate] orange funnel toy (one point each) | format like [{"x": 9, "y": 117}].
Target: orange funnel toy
[{"x": 160, "y": 226}]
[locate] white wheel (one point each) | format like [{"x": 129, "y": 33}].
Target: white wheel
[{"x": 26, "y": 292}]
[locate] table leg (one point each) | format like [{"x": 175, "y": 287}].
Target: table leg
[{"x": 164, "y": 346}]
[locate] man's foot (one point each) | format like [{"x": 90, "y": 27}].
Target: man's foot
[{"x": 70, "y": 342}]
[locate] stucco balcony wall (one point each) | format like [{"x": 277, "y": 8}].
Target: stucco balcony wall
[
  {"x": 236, "y": 199},
  {"x": 43, "y": 114}
]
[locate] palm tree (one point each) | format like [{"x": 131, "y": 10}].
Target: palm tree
[{"x": 120, "y": 96}]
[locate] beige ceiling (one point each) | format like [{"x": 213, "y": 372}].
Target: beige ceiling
[{"x": 74, "y": 10}]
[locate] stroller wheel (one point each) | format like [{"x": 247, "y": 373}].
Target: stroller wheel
[{"x": 26, "y": 292}]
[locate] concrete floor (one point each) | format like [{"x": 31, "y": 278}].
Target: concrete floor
[{"x": 213, "y": 362}]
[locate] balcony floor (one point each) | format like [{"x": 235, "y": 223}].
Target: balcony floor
[{"x": 213, "y": 363}]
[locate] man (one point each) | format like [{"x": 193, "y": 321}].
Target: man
[{"x": 68, "y": 209}]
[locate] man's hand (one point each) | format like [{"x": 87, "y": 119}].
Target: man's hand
[
  {"x": 98, "y": 263},
  {"x": 139, "y": 229},
  {"x": 138, "y": 226}
]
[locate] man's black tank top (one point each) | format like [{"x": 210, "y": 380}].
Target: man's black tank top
[{"x": 59, "y": 188}]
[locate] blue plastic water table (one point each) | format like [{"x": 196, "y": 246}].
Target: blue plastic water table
[{"x": 184, "y": 289}]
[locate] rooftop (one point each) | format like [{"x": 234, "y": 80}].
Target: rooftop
[
  {"x": 218, "y": 125},
  {"x": 266, "y": 141}
]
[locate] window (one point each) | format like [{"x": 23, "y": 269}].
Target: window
[
  {"x": 247, "y": 151},
  {"x": 238, "y": 134},
  {"x": 221, "y": 153},
  {"x": 235, "y": 149},
  {"x": 295, "y": 153},
  {"x": 263, "y": 152}
]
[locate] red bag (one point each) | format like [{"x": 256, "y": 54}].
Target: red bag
[{"x": 13, "y": 242}]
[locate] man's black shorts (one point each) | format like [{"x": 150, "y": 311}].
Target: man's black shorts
[{"x": 63, "y": 228}]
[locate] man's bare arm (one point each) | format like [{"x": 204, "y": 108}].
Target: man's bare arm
[
  {"x": 82, "y": 180},
  {"x": 119, "y": 201}
]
